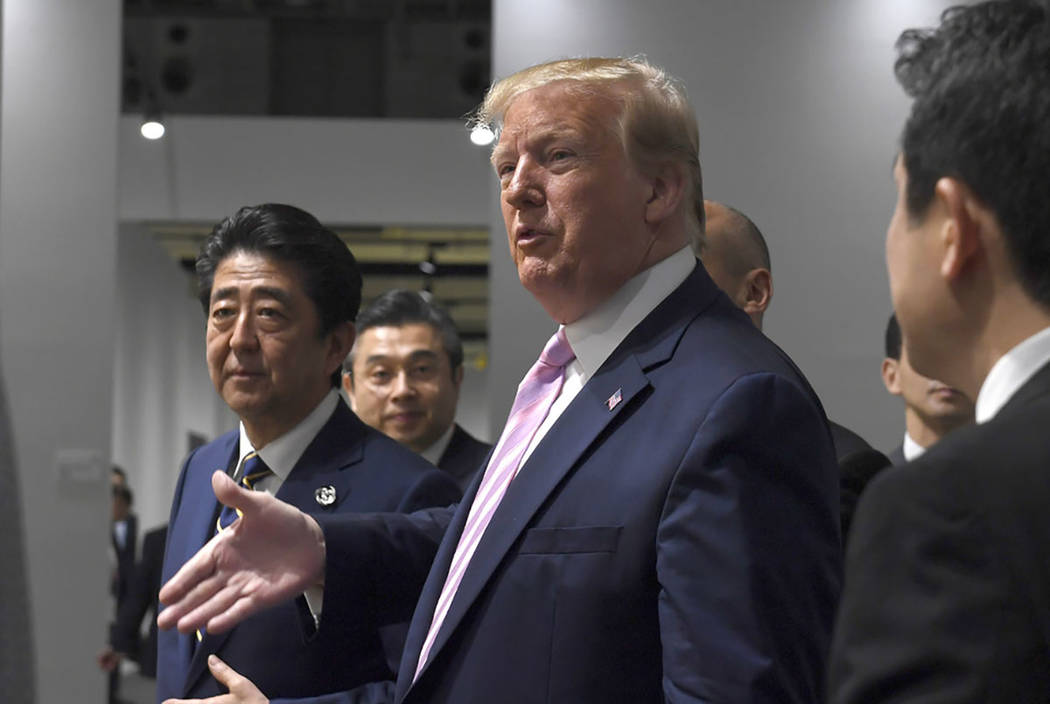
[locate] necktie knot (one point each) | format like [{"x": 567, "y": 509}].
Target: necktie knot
[
  {"x": 557, "y": 352},
  {"x": 252, "y": 470}
]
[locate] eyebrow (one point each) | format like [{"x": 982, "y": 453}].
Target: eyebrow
[
  {"x": 278, "y": 294},
  {"x": 553, "y": 134},
  {"x": 416, "y": 354}
]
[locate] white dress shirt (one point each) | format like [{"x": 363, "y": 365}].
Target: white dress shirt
[
  {"x": 911, "y": 448},
  {"x": 281, "y": 456},
  {"x": 1010, "y": 373}
]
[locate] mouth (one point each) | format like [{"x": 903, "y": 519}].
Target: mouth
[
  {"x": 405, "y": 417},
  {"x": 944, "y": 392},
  {"x": 525, "y": 236}
]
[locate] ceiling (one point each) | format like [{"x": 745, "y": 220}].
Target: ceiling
[{"x": 321, "y": 58}]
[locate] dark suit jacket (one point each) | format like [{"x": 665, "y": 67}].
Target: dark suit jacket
[
  {"x": 948, "y": 570},
  {"x": 678, "y": 545},
  {"x": 142, "y": 597},
  {"x": 463, "y": 456},
  {"x": 897, "y": 456},
  {"x": 370, "y": 472},
  {"x": 125, "y": 568},
  {"x": 846, "y": 441}
]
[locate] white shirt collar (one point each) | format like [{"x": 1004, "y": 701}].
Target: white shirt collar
[
  {"x": 1010, "y": 373},
  {"x": 433, "y": 453},
  {"x": 911, "y": 448},
  {"x": 281, "y": 455},
  {"x": 596, "y": 335}
]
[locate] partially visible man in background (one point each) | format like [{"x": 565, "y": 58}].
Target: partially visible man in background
[
  {"x": 736, "y": 256},
  {"x": 403, "y": 378},
  {"x": 932, "y": 409}
]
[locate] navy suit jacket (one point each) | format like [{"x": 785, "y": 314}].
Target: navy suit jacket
[
  {"x": 463, "y": 456},
  {"x": 680, "y": 544},
  {"x": 370, "y": 472}
]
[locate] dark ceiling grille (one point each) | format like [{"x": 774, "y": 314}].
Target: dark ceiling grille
[{"x": 322, "y": 58}]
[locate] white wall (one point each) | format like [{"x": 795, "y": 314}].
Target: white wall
[
  {"x": 58, "y": 177},
  {"x": 388, "y": 172},
  {"x": 799, "y": 115}
]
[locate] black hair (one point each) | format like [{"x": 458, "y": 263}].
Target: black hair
[
  {"x": 893, "y": 338},
  {"x": 285, "y": 233},
  {"x": 981, "y": 114},
  {"x": 400, "y": 307}
]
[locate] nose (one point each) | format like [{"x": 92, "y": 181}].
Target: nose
[
  {"x": 524, "y": 188},
  {"x": 401, "y": 386},
  {"x": 244, "y": 335}
]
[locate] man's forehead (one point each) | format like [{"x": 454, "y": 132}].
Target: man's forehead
[
  {"x": 402, "y": 339},
  {"x": 561, "y": 106}
]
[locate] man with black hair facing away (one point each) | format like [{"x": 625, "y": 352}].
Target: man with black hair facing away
[{"x": 948, "y": 571}]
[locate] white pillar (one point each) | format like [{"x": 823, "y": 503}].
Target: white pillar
[{"x": 60, "y": 101}]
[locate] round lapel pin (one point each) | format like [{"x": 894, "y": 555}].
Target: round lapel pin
[{"x": 325, "y": 495}]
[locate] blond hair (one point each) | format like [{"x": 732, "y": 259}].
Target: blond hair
[{"x": 657, "y": 124}]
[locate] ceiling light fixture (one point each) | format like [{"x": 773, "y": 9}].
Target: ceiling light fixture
[
  {"x": 152, "y": 128},
  {"x": 482, "y": 135}
]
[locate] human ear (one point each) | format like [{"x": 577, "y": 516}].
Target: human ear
[
  {"x": 960, "y": 233},
  {"x": 666, "y": 190},
  {"x": 890, "y": 376},
  {"x": 340, "y": 341},
  {"x": 758, "y": 291}
]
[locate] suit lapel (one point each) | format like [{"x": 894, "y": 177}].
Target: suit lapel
[
  {"x": 616, "y": 387},
  {"x": 202, "y": 510},
  {"x": 337, "y": 446}
]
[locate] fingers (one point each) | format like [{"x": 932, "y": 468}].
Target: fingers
[
  {"x": 211, "y": 597},
  {"x": 190, "y": 575},
  {"x": 229, "y": 617}
]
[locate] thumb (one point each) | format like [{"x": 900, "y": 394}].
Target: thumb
[
  {"x": 225, "y": 674},
  {"x": 231, "y": 494},
  {"x": 239, "y": 686}
]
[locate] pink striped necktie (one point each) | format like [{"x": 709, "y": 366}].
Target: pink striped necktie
[{"x": 536, "y": 395}]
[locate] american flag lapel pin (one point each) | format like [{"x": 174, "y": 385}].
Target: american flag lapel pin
[{"x": 614, "y": 400}]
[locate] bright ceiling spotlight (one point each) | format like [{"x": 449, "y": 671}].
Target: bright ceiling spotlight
[
  {"x": 482, "y": 135},
  {"x": 152, "y": 128}
]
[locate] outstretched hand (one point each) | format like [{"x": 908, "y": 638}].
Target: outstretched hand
[{"x": 272, "y": 553}]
